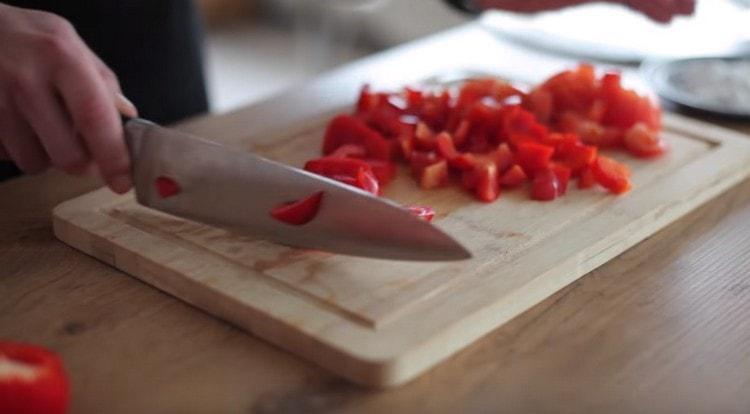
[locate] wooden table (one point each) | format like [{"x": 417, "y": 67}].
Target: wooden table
[{"x": 665, "y": 327}]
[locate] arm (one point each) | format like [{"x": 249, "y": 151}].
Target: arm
[
  {"x": 659, "y": 10},
  {"x": 58, "y": 101}
]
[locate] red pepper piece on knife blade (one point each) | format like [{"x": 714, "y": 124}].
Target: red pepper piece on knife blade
[{"x": 298, "y": 212}]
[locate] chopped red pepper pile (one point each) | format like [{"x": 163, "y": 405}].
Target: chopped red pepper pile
[
  {"x": 32, "y": 380},
  {"x": 489, "y": 135}
]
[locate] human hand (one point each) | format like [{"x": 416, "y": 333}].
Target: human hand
[
  {"x": 59, "y": 102},
  {"x": 659, "y": 10}
]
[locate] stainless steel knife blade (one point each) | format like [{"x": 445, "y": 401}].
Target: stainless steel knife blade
[{"x": 237, "y": 190}]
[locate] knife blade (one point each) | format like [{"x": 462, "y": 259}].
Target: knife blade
[{"x": 237, "y": 190}]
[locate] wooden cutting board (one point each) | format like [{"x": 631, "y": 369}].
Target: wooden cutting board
[{"x": 381, "y": 323}]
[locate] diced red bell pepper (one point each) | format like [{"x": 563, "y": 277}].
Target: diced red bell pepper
[
  {"x": 334, "y": 166},
  {"x": 611, "y": 174},
  {"x": 445, "y": 147},
  {"x": 352, "y": 171},
  {"x": 413, "y": 97},
  {"x": 346, "y": 129},
  {"x": 483, "y": 180},
  {"x": 545, "y": 186},
  {"x": 576, "y": 156},
  {"x": 32, "y": 380},
  {"x": 298, "y": 212},
  {"x": 384, "y": 171},
  {"x": 586, "y": 178},
  {"x": 464, "y": 161},
  {"x": 533, "y": 157},
  {"x": 514, "y": 177},
  {"x": 424, "y": 137},
  {"x": 624, "y": 108},
  {"x": 434, "y": 175},
  {"x": 563, "y": 177},
  {"x": 502, "y": 156},
  {"x": 643, "y": 142},
  {"x": 420, "y": 160},
  {"x": 350, "y": 151},
  {"x": 540, "y": 102},
  {"x": 426, "y": 213},
  {"x": 367, "y": 181},
  {"x": 405, "y": 143},
  {"x": 367, "y": 100},
  {"x": 166, "y": 187},
  {"x": 461, "y": 134}
]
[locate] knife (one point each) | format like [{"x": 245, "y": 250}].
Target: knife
[{"x": 237, "y": 190}]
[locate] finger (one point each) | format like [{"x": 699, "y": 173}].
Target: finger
[
  {"x": 38, "y": 105},
  {"x": 527, "y": 6},
  {"x": 656, "y": 10},
  {"x": 92, "y": 107},
  {"x": 685, "y": 7},
  {"x": 20, "y": 144},
  {"x": 124, "y": 106}
]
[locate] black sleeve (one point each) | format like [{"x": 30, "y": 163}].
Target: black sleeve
[
  {"x": 463, "y": 5},
  {"x": 154, "y": 47}
]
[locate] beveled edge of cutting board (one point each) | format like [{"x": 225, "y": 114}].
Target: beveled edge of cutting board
[{"x": 402, "y": 362}]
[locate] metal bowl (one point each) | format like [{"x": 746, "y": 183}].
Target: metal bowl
[{"x": 716, "y": 85}]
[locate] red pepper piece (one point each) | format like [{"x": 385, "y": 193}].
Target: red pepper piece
[
  {"x": 534, "y": 157},
  {"x": 352, "y": 171},
  {"x": 166, "y": 187},
  {"x": 413, "y": 97},
  {"x": 366, "y": 180},
  {"x": 384, "y": 171},
  {"x": 462, "y": 132},
  {"x": 644, "y": 142},
  {"x": 346, "y": 129},
  {"x": 424, "y": 137},
  {"x": 611, "y": 174},
  {"x": 332, "y": 166},
  {"x": 426, "y": 213},
  {"x": 563, "y": 177},
  {"x": 32, "y": 380},
  {"x": 420, "y": 160},
  {"x": 483, "y": 180},
  {"x": 576, "y": 156},
  {"x": 350, "y": 151},
  {"x": 434, "y": 175},
  {"x": 298, "y": 212},
  {"x": 367, "y": 100},
  {"x": 586, "y": 178},
  {"x": 405, "y": 143},
  {"x": 445, "y": 147},
  {"x": 514, "y": 177},
  {"x": 487, "y": 187},
  {"x": 502, "y": 156},
  {"x": 545, "y": 186}
]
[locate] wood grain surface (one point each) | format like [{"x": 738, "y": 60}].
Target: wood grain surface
[{"x": 664, "y": 327}]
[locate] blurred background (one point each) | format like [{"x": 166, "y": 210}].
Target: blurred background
[
  {"x": 258, "y": 47},
  {"x": 255, "y": 48}
]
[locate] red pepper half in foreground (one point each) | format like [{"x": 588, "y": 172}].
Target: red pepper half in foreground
[
  {"x": 298, "y": 212},
  {"x": 32, "y": 380},
  {"x": 166, "y": 187}
]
